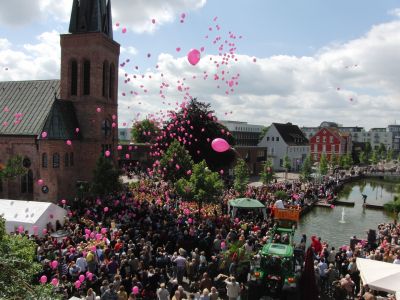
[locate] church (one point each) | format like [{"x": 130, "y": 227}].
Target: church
[{"x": 61, "y": 127}]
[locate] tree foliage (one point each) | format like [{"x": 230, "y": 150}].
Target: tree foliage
[
  {"x": 105, "y": 177},
  {"x": 175, "y": 163},
  {"x": 242, "y": 176},
  {"x": 13, "y": 168},
  {"x": 306, "y": 169},
  {"x": 363, "y": 158},
  {"x": 18, "y": 278},
  {"x": 374, "y": 157},
  {"x": 145, "y": 131},
  {"x": 267, "y": 172},
  {"x": 323, "y": 165},
  {"x": 195, "y": 127},
  {"x": 263, "y": 133},
  {"x": 203, "y": 184}
]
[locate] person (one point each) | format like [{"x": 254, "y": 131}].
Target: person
[
  {"x": 110, "y": 293},
  {"x": 205, "y": 282},
  {"x": 232, "y": 288},
  {"x": 177, "y": 296},
  {"x": 122, "y": 294},
  {"x": 162, "y": 292},
  {"x": 347, "y": 284},
  {"x": 90, "y": 295},
  {"x": 364, "y": 198},
  {"x": 180, "y": 267},
  {"x": 214, "y": 293},
  {"x": 205, "y": 295}
]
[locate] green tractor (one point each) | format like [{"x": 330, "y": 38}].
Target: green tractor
[{"x": 275, "y": 272}]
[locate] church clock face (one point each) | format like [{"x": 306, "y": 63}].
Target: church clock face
[{"x": 106, "y": 128}]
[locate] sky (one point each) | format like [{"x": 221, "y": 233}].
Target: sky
[{"x": 262, "y": 61}]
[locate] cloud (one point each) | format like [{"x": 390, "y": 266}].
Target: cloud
[
  {"x": 354, "y": 83},
  {"x": 18, "y": 12},
  {"x": 137, "y": 15}
]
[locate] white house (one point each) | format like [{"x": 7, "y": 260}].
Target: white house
[{"x": 285, "y": 139}]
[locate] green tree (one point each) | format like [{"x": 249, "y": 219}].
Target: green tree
[
  {"x": 19, "y": 269},
  {"x": 263, "y": 133},
  {"x": 175, "y": 163},
  {"x": 368, "y": 149},
  {"x": 196, "y": 126},
  {"x": 389, "y": 154},
  {"x": 145, "y": 131},
  {"x": 334, "y": 162},
  {"x": 105, "y": 177},
  {"x": 306, "y": 169},
  {"x": 267, "y": 172},
  {"x": 349, "y": 161},
  {"x": 241, "y": 173},
  {"x": 374, "y": 157},
  {"x": 381, "y": 151},
  {"x": 203, "y": 184},
  {"x": 363, "y": 158},
  {"x": 13, "y": 168},
  {"x": 323, "y": 165},
  {"x": 286, "y": 165}
]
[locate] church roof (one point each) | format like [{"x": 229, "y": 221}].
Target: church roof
[
  {"x": 31, "y": 107},
  {"x": 25, "y": 105}
]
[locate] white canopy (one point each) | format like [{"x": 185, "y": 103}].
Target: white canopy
[
  {"x": 379, "y": 276},
  {"x": 32, "y": 215}
]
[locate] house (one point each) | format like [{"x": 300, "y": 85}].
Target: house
[
  {"x": 61, "y": 127},
  {"x": 331, "y": 141},
  {"x": 285, "y": 140},
  {"x": 245, "y": 134}
]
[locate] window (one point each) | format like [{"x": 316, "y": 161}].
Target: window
[
  {"x": 56, "y": 160},
  {"x": 324, "y": 139},
  {"x": 86, "y": 77},
  {"x": 71, "y": 159},
  {"x": 44, "y": 160},
  {"x": 272, "y": 138},
  {"x": 317, "y": 139},
  {"x": 105, "y": 79},
  {"x": 277, "y": 138},
  {"x": 331, "y": 139},
  {"x": 66, "y": 160},
  {"x": 111, "y": 78},
  {"x": 74, "y": 78},
  {"x": 315, "y": 148},
  {"x": 324, "y": 148},
  {"x": 315, "y": 156},
  {"x": 333, "y": 149},
  {"x": 281, "y": 162},
  {"x": 267, "y": 138},
  {"x": 27, "y": 183}
]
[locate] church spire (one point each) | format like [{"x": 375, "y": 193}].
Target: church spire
[{"x": 91, "y": 16}]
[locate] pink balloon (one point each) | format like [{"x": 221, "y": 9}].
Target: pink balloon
[
  {"x": 98, "y": 109},
  {"x": 119, "y": 147},
  {"x": 220, "y": 145},
  {"x": 44, "y": 231},
  {"x": 43, "y": 279},
  {"x": 190, "y": 220},
  {"x": 107, "y": 153},
  {"x": 135, "y": 290},
  {"x": 54, "y": 281},
  {"x": 54, "y": 264},
  {"x": 124, "y": 30},
  {"x": 40, "y": 181},
  {"x": 81, "y": 278},
  {"x": 21, "y": 229},
  {"x": 69, "y": 143},
  {"x": 104, "y": 230},
  {"x": 193, "y": 56},
  {"x": 63, "y": 201},
  {"x": 223, "y": 245},
  {"x": 332, "y": 206},
  {"x": 77, "y": 284},
  {"x": 44, "y": 134},
  {"x": 35, "y": 229},
  {"x": 89, "y": 276},
  {"x": 127, "y": 156},
  {"x": 105, "y": 209}
]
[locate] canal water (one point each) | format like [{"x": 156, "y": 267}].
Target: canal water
[{"x": 327, "y": 222}]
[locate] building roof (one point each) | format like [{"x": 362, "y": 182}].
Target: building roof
[
  {"x": 291, "y": 134},
  {"x": 25, "y": 105}
]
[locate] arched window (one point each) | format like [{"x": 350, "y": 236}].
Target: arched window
[
  {"x": 71, "y": 159},
  {"x": 105, "y": 79},
  {"x": 86, "y": 77},
  {"x": 56, "y": 160},
  {"x": 74, "y": 78},
  {"x": 27, "y": 183},
  {"x": 112, "y": 79},
  {"x": 66, "y": 160},
  {"x": 44, "y": 160}
]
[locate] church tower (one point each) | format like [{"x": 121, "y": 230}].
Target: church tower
[{"x": 89, "y": 79}]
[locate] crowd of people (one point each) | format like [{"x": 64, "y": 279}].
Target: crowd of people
[{"x": 145, "y": 243}]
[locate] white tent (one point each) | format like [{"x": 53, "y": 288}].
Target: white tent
[
  {"x": 379, "y": 276},
  {"x": 32, "y": 215}
]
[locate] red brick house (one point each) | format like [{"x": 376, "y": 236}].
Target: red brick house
[
  {"x": 78, "y": 113},
  {"x": 331, "y": 141}
]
